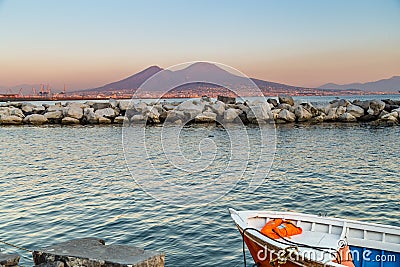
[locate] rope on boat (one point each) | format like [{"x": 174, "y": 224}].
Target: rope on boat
[{"x": 15, "y": 246}]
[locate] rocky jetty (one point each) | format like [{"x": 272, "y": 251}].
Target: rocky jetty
[
  {"x": 204, "y": 110},
  {"x": 94, "y": 252}
]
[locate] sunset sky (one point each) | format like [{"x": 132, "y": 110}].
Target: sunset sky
[{"x": 85, "y": 43}]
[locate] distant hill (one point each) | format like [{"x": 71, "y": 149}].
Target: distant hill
[
  {"x": 384, "y": 85},
  {"x": 199, "y": 69},
  {"x": 132, "y": 82}
]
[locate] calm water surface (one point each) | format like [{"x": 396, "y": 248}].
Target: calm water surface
[{"x": 59, "y": 183}]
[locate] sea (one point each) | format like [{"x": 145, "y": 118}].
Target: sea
[{"x": 65, "y": 182}]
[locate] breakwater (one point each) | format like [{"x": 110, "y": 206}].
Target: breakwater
[{"x": 204, "y": 110}]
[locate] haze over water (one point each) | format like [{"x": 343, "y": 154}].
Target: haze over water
[{"x": 60, "y": 183}]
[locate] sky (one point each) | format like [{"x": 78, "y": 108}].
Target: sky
[{"x": 87, "y": 43}]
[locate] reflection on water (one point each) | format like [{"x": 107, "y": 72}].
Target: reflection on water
[{"x": 59, "y": 183}]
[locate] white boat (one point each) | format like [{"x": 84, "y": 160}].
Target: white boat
[{"x": 324, "y": 241}]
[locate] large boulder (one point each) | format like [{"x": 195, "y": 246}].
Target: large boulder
[
  {"x": 363, "y": 104},
  {"x": 259, "y": 113},
  {"x": 104, "y": 120},
  {"x": 286, "y": 116},
  {"x": 124, "y": 105},
  {"x": 69, "y": 121},
  {"x": 55, "y": 107},
  {"x": 218, "y": 107},
  {"x": 100, "y": 105},
  {"x": 54, "y": 115},
  {"x": 174, "y": 115},
  {"x": 74, "y": 110},
  {"x": 375, "y": 107},
  {"x": 286, "y": 100},
  {"x": 12, "y": 120},
  {"x": 106, "y": 112},
  {"x": 8, "y": 260},
  {"x": 35, "y": 119},
  {"x": 192, "y": 108},
  {"x": 311, "y": 109},
  {"x": 152, "y": 115},
  {"x": 206, "y": 117},
  {"x": 273, "y": 101},
  {"x": 89, "y": 116},
  {"x": 231, "y": 114},
  {"x": 121, "y": 120},
  {"x": 355, "y": 110},
  {"x": 140, "y": 106},
  {"x": 302, "y": 114},
  {"x": 347, "y": 117}
]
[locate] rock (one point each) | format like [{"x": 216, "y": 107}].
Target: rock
[
  {"x": 226, "y": 99},
  {"x": 137, "y": 118},
  {"x": 286, "y": 115},
  {"x": 140, "y": 106},
  {"x": 39, "y": 109},
  {"x": 152, "y": 115},
  {"x": 16, "y": 112},
  {"x": 319, "y": 118},
  {"x": 367, "y": 118},
  {"x": 347, "y": 117},
  {"x": 51, "y": 264},
  {"x": 121, "y": 120},
  {"x": 12, "y": 120},
  {"x": 191, "y": 108},
  {"x": 100, "y": 105},
  {"x": 331, "y": 115},
  {"x": 286, "y": 106},
  {"x": 286, "y": 100},
  {"x": 275, "y": 113},
  {"x": 89, "y": 116},
  {"x": 54, "y": 115},
  {"x": 340, "y": 110},
  {"x": 272, "y": 101},
  {"x": 355, "y": 110},
  {"x": 104, "y": 120},
  {"x": 168, "y": 107},
  {"x": 35, "y": 119},
  {"x": 56, "y": 107},
  {"x": 174, "y": 115},
  {"x": 218, "y": 107},
  {"x": 205, "y": 98},
  {"x": 9, "y": 259},
  {"x": 362, "y": 104},
  {"x": 231, "y": 114},
  {"x": 343, "y": 103},
  {"x": 27, "y": 108},
  {"x": 106, "y": 112},
  {"x": 74, "y": 110},
  {"x": 259, "y": 113},
  {"x": 206, "y": 117},
  {"x": 124, "y": 105},
  {"x": 69, "y": 121},
  {"x": 93, "y": 252},
  {"x": 398, "y": 111},
  {"x": 393, "y": 114},
  {"x": 383, "y": 113},
  {"x": 311, "y": 109},
  {"x": 113, "y": 103},
  {"x": 302, "y": 114},
  {"x": 376, "y": 106}
]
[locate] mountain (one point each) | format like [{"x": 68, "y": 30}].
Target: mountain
[
  {"x": 384, "y": 85},
  {"x": 199, "y": 71},
  {"x": 132, "y": 82}
]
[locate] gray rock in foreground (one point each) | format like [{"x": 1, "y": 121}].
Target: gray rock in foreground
[
  {"x": 9, "y": 259},
  {"x": 94, "y": 253}
]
